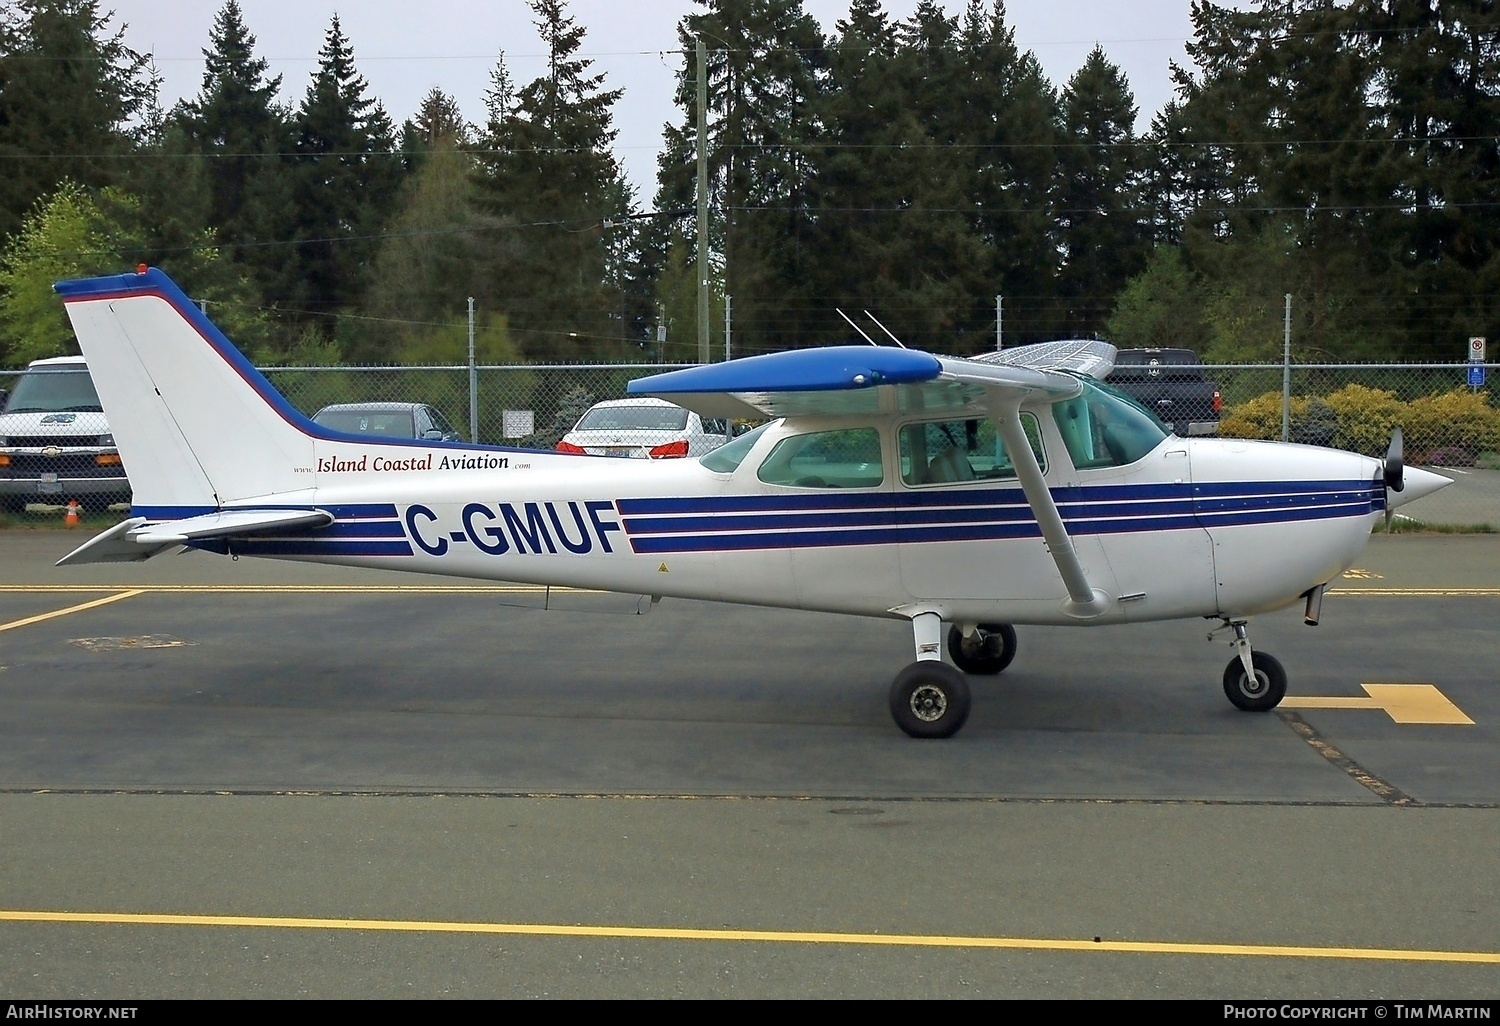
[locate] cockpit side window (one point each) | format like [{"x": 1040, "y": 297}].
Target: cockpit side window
[
  {"x": 1102, "y": 428},
  {"x": 948, "y": 451},
  {"x": 846, "y": 458}
]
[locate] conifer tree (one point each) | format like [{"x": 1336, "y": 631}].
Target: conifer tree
[
  {"x": 236, "y": 123},
  {"x": 69, "y": 94},
  {"x": 346, "y": 176},
  {"x": 549, "y": 184},
  {"x": 1101, "y": 224}
]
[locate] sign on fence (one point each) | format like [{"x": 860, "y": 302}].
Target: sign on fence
[
  {"x": 1476, "y": 349},
  {"x": 1476, "y": 375},
  {"x": 518, "y": 423}
]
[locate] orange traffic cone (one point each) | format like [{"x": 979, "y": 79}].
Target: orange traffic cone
[{"x": 70, "y": 518}]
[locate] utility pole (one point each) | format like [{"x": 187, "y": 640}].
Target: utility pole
[
  {"x": 728, "y": 322},
  {"x": 473, "y": 381},
  {"x": 999, "y": 322},
  {"x": 1286, "y": 373},
  {"x": 702, "y": 203}
]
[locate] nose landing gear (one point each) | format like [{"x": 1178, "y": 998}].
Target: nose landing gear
[{"x": 1253, "y": 681}]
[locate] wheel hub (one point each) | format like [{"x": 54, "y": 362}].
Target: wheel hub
[
  {"x": 1254, "y": 687},
  {"x": 929, "y": 703}
]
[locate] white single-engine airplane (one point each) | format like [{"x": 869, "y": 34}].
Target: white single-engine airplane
[{"x": 1011, "y": 488}]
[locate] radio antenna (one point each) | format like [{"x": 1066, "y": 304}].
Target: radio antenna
[
  {"x": 867, "y": 338},
  {"x": 883, "y": 328}
]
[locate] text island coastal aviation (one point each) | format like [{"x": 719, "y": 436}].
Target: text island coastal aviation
[{"x": 976, "y": 493}]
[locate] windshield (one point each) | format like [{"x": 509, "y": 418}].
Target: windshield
[
  {"x": 633, "y": 418},
  {"x": 54, "y": 391},
  {"x": 1105, "y": 428},
  {"x": 727, "y": 457}
]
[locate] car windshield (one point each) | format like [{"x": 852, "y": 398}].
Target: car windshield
[
  {"x": 633, "y": 418},
  {"x": 54, "y": 391},
  {"x": 388, "y": 424}
]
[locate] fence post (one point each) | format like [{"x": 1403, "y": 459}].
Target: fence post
[
  {"x": 473, "y": 381},
  {"x": 1286, "y": 373}
]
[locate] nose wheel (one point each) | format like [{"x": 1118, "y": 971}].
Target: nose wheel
[{"x": 1253, "y": 681}]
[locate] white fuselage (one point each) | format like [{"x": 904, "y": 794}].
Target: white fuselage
[{"x": 1200, "y": 527}]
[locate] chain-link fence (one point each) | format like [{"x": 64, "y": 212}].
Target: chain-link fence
[{"x": 1448, "y": 423}]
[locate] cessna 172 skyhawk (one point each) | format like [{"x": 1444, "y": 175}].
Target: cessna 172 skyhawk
[{"x": 979, "y": 493}]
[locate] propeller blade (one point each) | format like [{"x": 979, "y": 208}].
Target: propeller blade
[{"x": 1395, "y": 463}]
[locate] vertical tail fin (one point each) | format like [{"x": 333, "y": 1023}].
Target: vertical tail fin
[{"x": 197, "y": 426}]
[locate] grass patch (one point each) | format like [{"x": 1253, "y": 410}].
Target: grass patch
[
  {"x": 1406, "y": 525},
  {"x": 89, "y": 523}
]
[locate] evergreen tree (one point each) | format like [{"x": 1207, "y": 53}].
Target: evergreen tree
[
  {"x": 346, "y": 178},
  {"x": 764, "y": 60},
  {"x": 236, "y": 124},
  {"x": 549, "y": 184},
  {"x": 1010, "y": 129},
  {"x": 1101, "y": 226},
  {"x": 69, "y": 93}
]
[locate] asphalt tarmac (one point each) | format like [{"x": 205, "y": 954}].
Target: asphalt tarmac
[{"x": 259, "y": 779}]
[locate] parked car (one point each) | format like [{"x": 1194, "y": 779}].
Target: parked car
[
  {"x": 1172, "y": 384},
  {"x": 55, "y": 444},
  {"x": 643, "y": 429},
  {"x": 388, "y": 420}
]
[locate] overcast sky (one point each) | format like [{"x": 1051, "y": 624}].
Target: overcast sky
[{"x": 404, "y": 49}]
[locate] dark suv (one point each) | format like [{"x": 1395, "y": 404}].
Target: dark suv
[{"x": 1172, "y": 384}]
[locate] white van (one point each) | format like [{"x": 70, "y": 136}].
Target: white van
[{"x": 55, "y": 444}]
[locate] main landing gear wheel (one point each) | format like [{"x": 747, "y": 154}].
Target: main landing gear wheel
[
  {"x": 1262, "y": 694},
  {"x": 987, "y": 651},
  {"x": 930, "y": 699}
]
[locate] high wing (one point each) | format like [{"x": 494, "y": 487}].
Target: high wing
[
  {"x": 861, "y": 381},
  {"x": 137, "y": 539}
]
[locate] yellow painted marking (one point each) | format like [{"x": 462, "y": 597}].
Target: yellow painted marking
[
  {"x": 764, "y": 936},
  {"x": 1415, "y": 592},
  {"x": 1404, "y": 703},
  {"x": 1416, "y": 703},
  {"x": 71, "y": 609},
  {"x": 293, "y": 589},
  {"x": 1358, "y": 573}
]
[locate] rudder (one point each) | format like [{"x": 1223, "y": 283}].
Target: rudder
[{"x": 197, "y": 426}]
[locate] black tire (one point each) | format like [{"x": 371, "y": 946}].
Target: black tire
[
  {"x": 988, "y": 652},
  {"x": 930, "y": 699},
  {"x": 1268, "y": 689}
]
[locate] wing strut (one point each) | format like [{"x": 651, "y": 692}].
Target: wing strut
[{"x": 1084, "y": 600}]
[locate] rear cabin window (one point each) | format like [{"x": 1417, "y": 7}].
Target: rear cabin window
[
  {"x": 948, "y": 451},
  {"x": 1105, "y": 428},
  {"x": 849, "y": 458},
  {"x": 727, "y": 458}
]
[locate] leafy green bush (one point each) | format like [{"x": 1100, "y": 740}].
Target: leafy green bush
[{"x": 1451, "y": 427}]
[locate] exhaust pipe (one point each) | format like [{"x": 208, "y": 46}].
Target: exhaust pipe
[{"x": 1314, "y": 608}]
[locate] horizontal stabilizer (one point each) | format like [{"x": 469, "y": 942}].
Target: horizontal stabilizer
[{"x": 137, "y": 539}]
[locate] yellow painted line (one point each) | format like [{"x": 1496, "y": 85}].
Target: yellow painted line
[
  {"x": 1404, "y": 703},
  {"x": 1418, "y": 592},
  {"x": 293, "y": 589},
  {"x": 764, "y": 936},
  {"x": 71, "y": 609}
]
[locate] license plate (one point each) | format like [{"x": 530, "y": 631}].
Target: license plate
[
  {"x": 617, "y": 451},
  {"x": 48, "y": 484}
]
